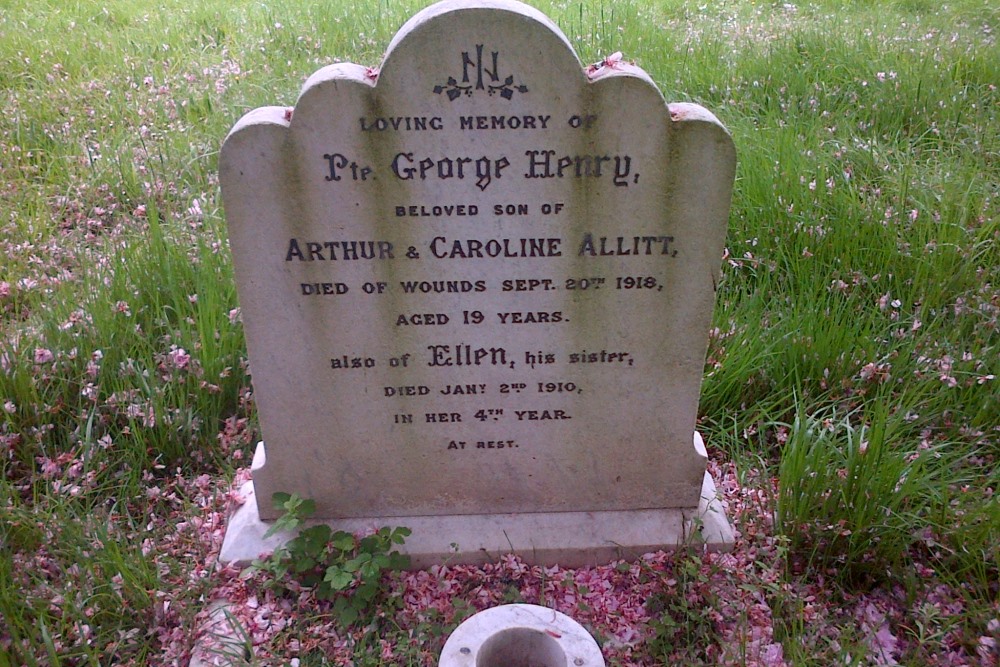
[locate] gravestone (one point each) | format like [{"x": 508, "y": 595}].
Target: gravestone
[{"x": 476, "y": 285}]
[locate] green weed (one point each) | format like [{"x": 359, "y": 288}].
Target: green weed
[{"x": 338, "y": 566}]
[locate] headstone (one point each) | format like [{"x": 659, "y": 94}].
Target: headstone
[{"x": 476, "y": 285}]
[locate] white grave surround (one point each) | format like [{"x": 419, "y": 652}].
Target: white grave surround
[{"x": 476, "y": 286}]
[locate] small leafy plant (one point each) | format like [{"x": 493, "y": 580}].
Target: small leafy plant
[{"x": 339, "y": 566}]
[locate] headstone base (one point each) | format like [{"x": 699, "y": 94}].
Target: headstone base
[{"x": 568, "y": 539}]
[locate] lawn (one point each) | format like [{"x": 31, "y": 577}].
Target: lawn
[{"x": 850, "y": 404}]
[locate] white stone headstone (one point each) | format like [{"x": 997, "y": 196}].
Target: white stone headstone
[{"x": 476, "y": 286}]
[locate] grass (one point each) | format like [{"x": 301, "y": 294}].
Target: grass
[
  {"x": 851, "y": 496},
  {"x": 854, "y": 359}
]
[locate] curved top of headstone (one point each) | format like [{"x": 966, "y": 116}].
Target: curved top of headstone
[
  {"x": 518, "y": 11},
  {"x": 409, "y": 61}
]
